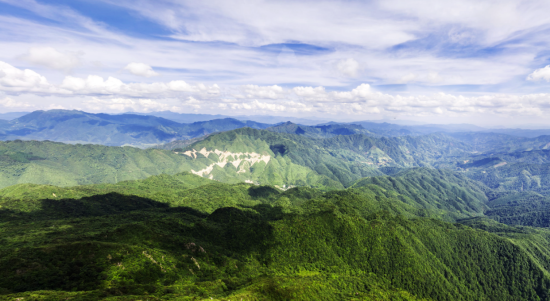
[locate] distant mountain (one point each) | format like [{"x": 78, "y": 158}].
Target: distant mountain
[
  {"x": 182, "y": 118},
  {"x": 188, "y": 118},
  {"x": 382, "y": 129},
  {"x": 241, "y": 155},
  {"x": 12, "y": 115},
  {"x": 115, "y": 130},
  {"x": 502, "y": 143},
  {"x": 395, "y": 130},
  {"x": 529, "y": 133},
  {"x": 319, "y": 131}
]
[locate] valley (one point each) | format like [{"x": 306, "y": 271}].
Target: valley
[{"x": 285, "y": 212}]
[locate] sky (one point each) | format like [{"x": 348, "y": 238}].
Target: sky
[{"x": 470, "y": 61}]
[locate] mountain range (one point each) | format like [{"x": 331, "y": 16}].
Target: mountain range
[
  {"x": 114, "y": 130},
  {"x": 239, "y": 210}
]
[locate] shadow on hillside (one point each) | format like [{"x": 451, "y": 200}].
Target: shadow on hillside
[
  {"x": 263, "y": 192},
  {"x": 96, "y": 205},
  {"x": 72, "y": 254}
]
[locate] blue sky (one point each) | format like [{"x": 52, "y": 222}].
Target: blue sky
[{"x": 482, "y": 62}]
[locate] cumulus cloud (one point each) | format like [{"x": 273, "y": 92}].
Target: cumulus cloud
[
  {"x": 126, "y": 104},
  {"x": 11, "y": 103},
  {"x": 51, "y": 58},
  {"x": 540, "y": 74},
  {"x": 141, "y": 69},
  {"x": 94, "y": 84},
  {"x": 348, "y": 67},
  {"x": 319, "y": 94},
  {"x": 113, "y": 94},
  {"x": 363, "y": 99},
  {"x": 15, "y": 80},
  {"x": 262, "y": 92}
]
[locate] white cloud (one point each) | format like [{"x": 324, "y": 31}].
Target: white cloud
[
  {"x": 15, "y": 80},
  {"x": 348, "y": 67},
  {"x": 408, "y": 78},
  {"x": 51, "y": 58},
  {"x": 141, "y": 69},
  {"x": 364, "y": 99},
  {"x": 345, "y": 31},
  {"x": 94, "y": 84},
  {"x": 319, "y": 94},
  {"x": 11, "y": 103},
  {"x": 115, "y": 95},
  {"x": 192, "y": 103},
  {"x": 126, "y": 104},
  {"x": 540, "y": 74},
  {"x": 263, "y": 92}
]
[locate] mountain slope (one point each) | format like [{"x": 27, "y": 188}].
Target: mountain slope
[
  {"x": 67, "y": 165},
  {"x": 319, "y": 131},
  {"x": 298, "y": 244},
  {"x": 242, "y": 155},
  {"x": 115, "y": 130},
  {"x": 439, "y": 191}
]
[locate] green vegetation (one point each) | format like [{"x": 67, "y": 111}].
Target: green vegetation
[
  {"x": 448, "y": 195},
  {"x": 319, "y": 131},
  {"x": 189, "y": 238},
  {"x": 68, "y": 165},
  {"x": 290, "y": 213},
  {"x": 256, "y": 156}
]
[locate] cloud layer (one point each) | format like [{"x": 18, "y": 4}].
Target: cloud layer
[
  {"x": 51, "y": 58},
  {"x": 112, "y": 94},
  {"x": 315, "y": 58}
]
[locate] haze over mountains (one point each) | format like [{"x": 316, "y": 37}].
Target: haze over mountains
[
  {"x": 232, "y": 209},
  {"x": 115, "y": 130},
  {"x": 150, "y": 130}
]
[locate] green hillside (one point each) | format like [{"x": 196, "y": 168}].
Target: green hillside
[
  {"x": 67, "y": 165},
  {"x": 253, "y": 214},
  {"x": 452, "y": 195},
  {"x": 319, "y": 131},
  {"x": 241, "y": 155},
  {"x": 202, "y": 239}
]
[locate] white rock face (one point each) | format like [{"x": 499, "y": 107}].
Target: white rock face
[{"x": 242, "y": 161}]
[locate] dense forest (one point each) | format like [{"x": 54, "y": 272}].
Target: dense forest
[
  {"x": 420, "y": 234},
  {"x": 292, "y": 212}
]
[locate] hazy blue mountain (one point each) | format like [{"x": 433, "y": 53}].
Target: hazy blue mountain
[
  {"x": 181, "y": 117},
  {"x": 188, "y": 118},
  {"x": 319, "y": 131},
  {"x": 116, "y": 130},
  {"x": 12, "y": 115},
  {"x": 529, "y": 133}
]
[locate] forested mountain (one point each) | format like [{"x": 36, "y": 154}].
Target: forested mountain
[
  {"x": 289, "y": 212},
  {"x": 240, "y": 155},
  {"x": 395, "y": 130},
  {"x": 12, "y": 115},
  {"x": 114, "y": 130},
  {"x": 186, "y": 237},
  {"x": 502, "y": 143},
  {"x": 319, "y": 131},
  {"x": 189, "y": 118}
]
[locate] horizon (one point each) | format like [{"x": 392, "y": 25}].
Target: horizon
[
  {"x": 472, "y": 62},
  {"x": 311, "y": 121}
]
